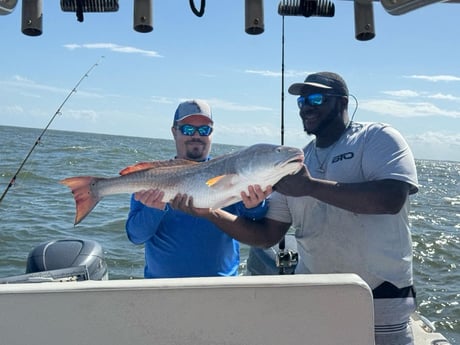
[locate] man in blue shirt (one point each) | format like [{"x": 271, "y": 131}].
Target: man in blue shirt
[{"x": 178, "y": 244}]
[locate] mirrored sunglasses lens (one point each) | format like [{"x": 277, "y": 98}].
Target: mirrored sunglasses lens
[
  {"x": 315, "y": 99},
  {"x": 188, "y": 130},
  {"x": 300, "y": 102},
  {"x": 204, "y": 130}
]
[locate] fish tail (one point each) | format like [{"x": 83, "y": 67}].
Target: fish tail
[{"x": 85, "y": 198}]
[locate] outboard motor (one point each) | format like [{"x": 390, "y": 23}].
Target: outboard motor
[
  {"x": 63, "y": 260},
  {"x": 279, "y": 259},
  {"x": 68, "y": 253}
]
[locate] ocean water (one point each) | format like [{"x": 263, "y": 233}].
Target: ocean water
[{"x": 38, "y": 209}]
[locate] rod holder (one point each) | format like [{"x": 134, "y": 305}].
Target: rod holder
[
  {"x": 143, "y": 15},
  {"x": 254, "y": 16},
  {"x": 32, "y": 17},
  {"x": 364, "y": 20}
]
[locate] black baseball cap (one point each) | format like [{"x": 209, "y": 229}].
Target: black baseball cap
[{"x": 322, "y": 80}]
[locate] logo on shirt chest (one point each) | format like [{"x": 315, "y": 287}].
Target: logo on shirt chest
[{"x": 342, "y": 156}]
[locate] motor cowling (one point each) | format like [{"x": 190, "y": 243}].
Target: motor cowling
[{"x": 66, "y": 253}]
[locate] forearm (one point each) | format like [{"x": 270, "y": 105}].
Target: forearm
[
  {"x": 254, "y": 233},
  {"x": 142, "y": 222},
  {"x": 254, "y": 213},
  {"x": 375, "y": 197}
]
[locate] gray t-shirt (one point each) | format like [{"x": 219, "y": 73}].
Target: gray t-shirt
[{"x": 333, "y": 240}]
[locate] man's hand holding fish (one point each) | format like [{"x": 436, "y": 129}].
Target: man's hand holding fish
[{"x": 151, "y": 198}]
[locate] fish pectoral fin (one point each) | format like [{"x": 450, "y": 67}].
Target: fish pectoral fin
[
  {"x": 221, "y": 181},
  {"x": 156, "y": 165}
]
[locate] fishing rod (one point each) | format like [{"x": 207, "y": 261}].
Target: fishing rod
[
  {"x": 286, "y": 259},
  {"x": 58, "y": 112},
  {"x": 282, "y": 81}
]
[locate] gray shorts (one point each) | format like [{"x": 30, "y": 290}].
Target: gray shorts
[
  {"x": 392, "y": 320},
  {"x": 393, "y": 307}
]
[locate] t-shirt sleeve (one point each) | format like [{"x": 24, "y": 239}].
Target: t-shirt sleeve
[
  {"x": 388, "y": 156},
  {"x": 279, "y": 209}
]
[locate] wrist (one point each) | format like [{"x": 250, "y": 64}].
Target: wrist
[{"x": 216, "y": 215}]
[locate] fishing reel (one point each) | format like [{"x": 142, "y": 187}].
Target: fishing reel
[{"x": 286, "y": 261}]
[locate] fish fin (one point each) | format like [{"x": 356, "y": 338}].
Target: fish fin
[
  {"x": 85, "y": 199},
  {"x": 156, "y": 165},
  {"x": 212, "y": 181},
  {"x": 137, "y": 167},
  {"x": 224, "y": 181}
]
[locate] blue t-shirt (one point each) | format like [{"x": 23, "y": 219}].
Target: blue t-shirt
[{"x": 177, "y": 244}]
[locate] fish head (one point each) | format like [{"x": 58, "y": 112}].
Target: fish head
[{"x": 267, "y": 163}]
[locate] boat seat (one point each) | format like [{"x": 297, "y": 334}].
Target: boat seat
[{"x": 333, "y": 309}]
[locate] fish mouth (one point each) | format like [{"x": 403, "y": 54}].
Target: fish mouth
[{"x": 297, "y": 159}]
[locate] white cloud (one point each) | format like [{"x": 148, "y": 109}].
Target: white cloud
[
  {"x": 247, "y": 132},
  {"x": 114, "y": 48},
  {"x": 402, "y": 93},
  {"x": 22, "y": 79},
  {"x": 13, "y": 109},
  {"x": 162, "y": 100},
  {"x": 287, "y": 74},
  {"x": 411, "y": 93},
  {"x": 24, "y": 84},
  {"x": 406, "y": 109},
  {"x": 442, "y": 96},
  {"x": 81, "y": 114},
  {"x": 264, "y": 73},
  {"x": 230, "y": 106},
  {"x": 435, "y": 78},
  {"x": 435, "y": 145},
  {"x": 448, "y": 138}
]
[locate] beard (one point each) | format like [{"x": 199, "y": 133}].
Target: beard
[
  {"x": 322, "y": 127},
  {"x": 195, "y": 149}
]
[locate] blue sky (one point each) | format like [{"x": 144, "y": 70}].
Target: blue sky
[{"x": 407, "y": 76}]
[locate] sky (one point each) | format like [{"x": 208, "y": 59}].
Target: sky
[{"x": 407, "y": 76}]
